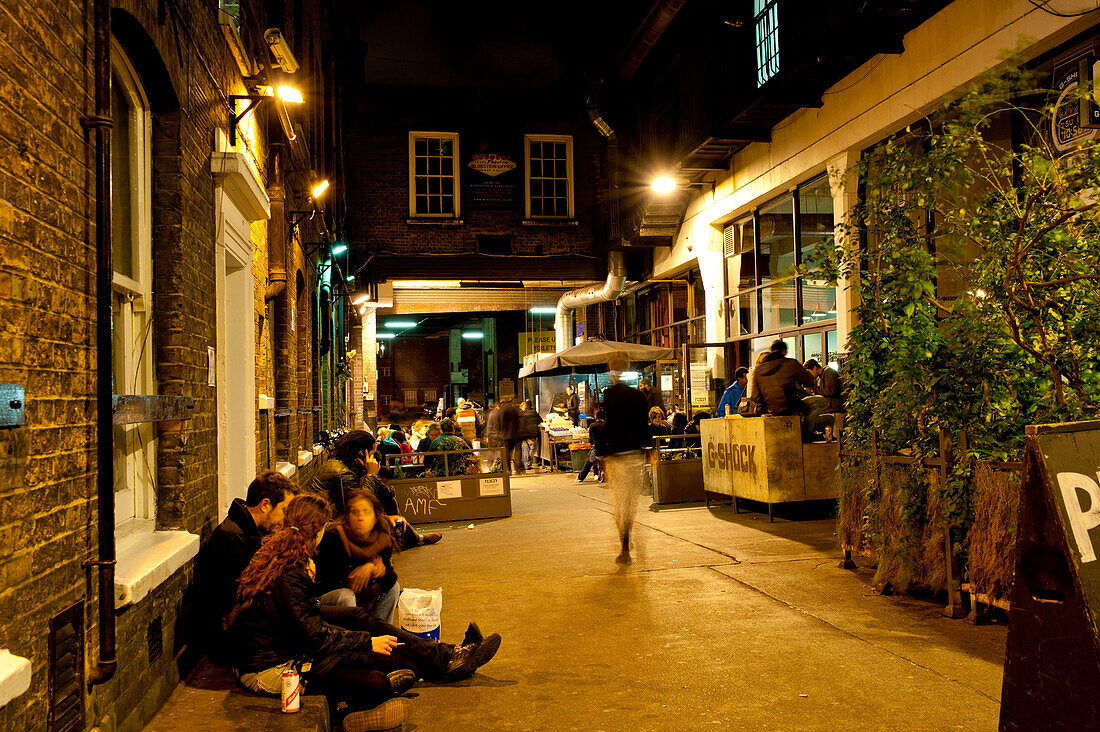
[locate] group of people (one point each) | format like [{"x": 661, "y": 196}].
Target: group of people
[
  {"x": 305, "y": 581},
  {"x": 515, "y": 427},
  {"x": 780, "y": 386}
]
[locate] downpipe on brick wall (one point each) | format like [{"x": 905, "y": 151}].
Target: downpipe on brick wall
[
  {"x": 616, "y": 270},
  {"x": 104, "y": 667}
]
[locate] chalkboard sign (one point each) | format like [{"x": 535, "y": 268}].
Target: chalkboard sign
[{"x": 1052, "y": 658}]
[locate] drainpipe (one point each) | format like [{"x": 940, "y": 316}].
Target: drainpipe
[
  {"x": 609, "y": 290},
  {"x": 647, "y": 35},
  {"x": 616, "y": 271},
  {"x": 104, "y": 668},
  {"x": 276, "y": 227}
]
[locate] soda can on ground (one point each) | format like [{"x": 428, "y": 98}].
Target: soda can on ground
[{"x": 292, "y": 692}]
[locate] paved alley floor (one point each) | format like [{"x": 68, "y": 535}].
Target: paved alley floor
[{"x": 723, "y": 621}]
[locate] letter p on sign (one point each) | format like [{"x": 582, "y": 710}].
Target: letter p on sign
[{"x": 1080, "y": 519}]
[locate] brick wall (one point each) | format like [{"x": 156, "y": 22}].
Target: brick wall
[
  {"x": 48, "y": 512},
  {"x": 378, "y": 129}
]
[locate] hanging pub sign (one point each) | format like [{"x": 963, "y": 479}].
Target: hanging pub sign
[
  {"x": 492, "y": 179},
  {"x": 1066, "y": 130}
]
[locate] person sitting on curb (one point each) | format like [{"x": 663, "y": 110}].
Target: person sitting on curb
[
  {"x": 355, "y": 557},
  {"x": 230, "y": 547},
  {"x": 351, "y": 461},
  {"x": 279, "y": 626}
]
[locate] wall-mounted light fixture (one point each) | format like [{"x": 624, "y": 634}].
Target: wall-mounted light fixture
[
  {"x": 543, "y": 310},
  {"x": 400, "y": 323},
  {"x": 288, "y": 94},
  {"x": 320, "y": 188},
  {"x": 339, "y": 247},
  {"x": 382, "y": 336},
  {"x": 663, "y": 184},
  {"x": 472, "y": 335},
  {"x": 280, "y": 50}
]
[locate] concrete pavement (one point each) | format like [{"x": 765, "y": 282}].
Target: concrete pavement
[{"x": 723, "y": 621}]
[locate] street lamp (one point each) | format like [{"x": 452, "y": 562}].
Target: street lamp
[
  {"x": 663, "y": 184},
  {"x": 320, "y": 188}
]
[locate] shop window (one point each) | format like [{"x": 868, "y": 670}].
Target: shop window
[
  {"x": 766, "y": 16},
  {"x": 549, "y": 180},
  {"x": 764, "y": 294},
  {"x": 433, "y": 174},
  {"x": 132, "y": 302}
]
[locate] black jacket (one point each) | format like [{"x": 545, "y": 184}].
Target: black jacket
[
  {"x": 334, "y": 565},
  {"x": 626, "y": 421},
  {"x": 529, "y": 421},
  {"x": 333, "y": 480},
  {"x": 509, "y": 422},
  {"x": 221, "y": 560},
  {"x": 284, "y": 624}
]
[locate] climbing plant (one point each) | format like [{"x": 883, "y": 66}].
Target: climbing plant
[{"x": 973, "y": 258}]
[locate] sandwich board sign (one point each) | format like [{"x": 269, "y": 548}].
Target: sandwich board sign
[{"x": 1052, "y": 659}]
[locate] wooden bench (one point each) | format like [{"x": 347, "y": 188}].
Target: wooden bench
[{"x": 211, "y": 699}]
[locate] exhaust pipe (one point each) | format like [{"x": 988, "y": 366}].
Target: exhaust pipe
[{"x": 609, "y": 290}]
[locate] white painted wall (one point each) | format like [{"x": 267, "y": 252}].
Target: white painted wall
[{"x": 944, "y": 54}]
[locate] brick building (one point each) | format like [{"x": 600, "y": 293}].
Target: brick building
[{"x": 223, "y": 312}]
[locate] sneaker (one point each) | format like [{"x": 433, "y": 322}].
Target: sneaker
[
  {"x": 468, "y": 659},
  {"x": 387, "y": 715},
  {"x": 401, "y": 681}
]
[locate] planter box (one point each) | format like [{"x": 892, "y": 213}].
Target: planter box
[
  {"x": 678, "y": 481},
  {"x": 460, "y": 498}
]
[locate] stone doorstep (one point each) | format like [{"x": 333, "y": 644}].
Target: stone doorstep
[{"x": 211, "y": 699}]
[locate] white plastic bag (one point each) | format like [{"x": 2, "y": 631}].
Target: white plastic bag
[{"x": 419, "y": 611}]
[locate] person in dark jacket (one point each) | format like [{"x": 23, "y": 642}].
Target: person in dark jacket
[
  {"x": 432, "y": 433},
  {"x": 678, "y": 426},
  {"x": 230, "y": 548},
  {"x": 572, "y": 405},
  {"x": 777, "y": 382},
  {"x": 694, "y": 438},
  {"x": 344, "y": 471},
  {"x": 512, "y": 435},
  {"x": 356, "y": 556},
  {"x": 494, "y": 429},
  {"x": 529, "y": 421},
  {"x": 280, "y": 626},
  {"x": 625, "y": 435}
]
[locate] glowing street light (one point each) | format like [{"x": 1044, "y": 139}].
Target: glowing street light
[
  {"x": 320, "y": 188},
  {"x": 663, "y": 184},
  {"x": 339, "y": 248},
  {"x": 287, "y": 94}
]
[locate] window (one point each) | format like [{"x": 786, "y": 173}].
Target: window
[
  {"x": 132, "y": 301},
  {"x": 549, "y": 181},
  {"x": 384, "y": 371},
  {"x": 765, "y": 298},
  {"x": 433, "y": 174},
  {"x": 766, "y": 14},
  {"x": 410, "y": 396},
  {"x": 384, "y": 400}
]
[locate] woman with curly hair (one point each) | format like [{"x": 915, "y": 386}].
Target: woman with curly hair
[{"x": 278, "y": 625}]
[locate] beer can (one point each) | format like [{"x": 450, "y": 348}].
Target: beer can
[{"x": 292, "y": 692}]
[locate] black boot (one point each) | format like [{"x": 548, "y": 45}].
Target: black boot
[
  {"x": 473, "y": 635},
  {"x": 470, "y": 658}
]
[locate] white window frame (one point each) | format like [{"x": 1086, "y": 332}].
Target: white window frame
[
  {"x": 135, "y": 444},
  {"x": 568, "y": 140},
  {"x": 453, "y": 137}
]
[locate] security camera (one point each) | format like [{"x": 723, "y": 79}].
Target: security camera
[{"x": 280, "y": 49}]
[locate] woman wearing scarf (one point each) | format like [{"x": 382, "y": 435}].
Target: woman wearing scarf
[{"x": 356, "y": 553}]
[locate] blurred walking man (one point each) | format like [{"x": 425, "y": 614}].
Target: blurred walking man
[{"x": 621, "y": 441}]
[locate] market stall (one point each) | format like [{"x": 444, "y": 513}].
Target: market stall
[
  {"x": 457, "y": 485},
  {"x": 557, "y": 434},
  {"x": 764, "y": 459}
]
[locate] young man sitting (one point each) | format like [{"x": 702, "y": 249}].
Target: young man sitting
[{"x": 231, "y": 546}]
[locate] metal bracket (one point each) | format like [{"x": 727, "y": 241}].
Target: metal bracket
[
  {"x": 253, "y": 100},
  {"x": 136, "y": 408},
  {"x": 12, "y": 403},
  {"x": 284, "y": 412}
]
